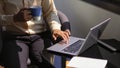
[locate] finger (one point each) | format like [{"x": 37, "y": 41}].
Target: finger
[
  {"x": 25, "y": 9},
  {"x": 62, "y": 42},
  {"x": 54, "y": 37},
  {"x": 67, "y": 35},
  {"x": 64, "y": 37},
  {"x": 22, "y": 10},
  {"x": 27, "y": 12},
  {"x": 27, "y": 15}
]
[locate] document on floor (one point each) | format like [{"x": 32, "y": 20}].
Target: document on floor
[{"x": 85, "y": 62}]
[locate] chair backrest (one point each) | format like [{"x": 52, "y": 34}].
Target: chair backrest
[
  {"x": 63, "y": 18},
  {"x": 64, "y": 21}
]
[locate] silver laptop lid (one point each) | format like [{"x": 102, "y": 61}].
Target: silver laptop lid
[{"x": 94, "y": 34}]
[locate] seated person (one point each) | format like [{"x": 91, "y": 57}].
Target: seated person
[{"x": 24, "y": 35}]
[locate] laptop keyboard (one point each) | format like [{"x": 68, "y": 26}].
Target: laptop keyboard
[{"x": 74, "y": 47}]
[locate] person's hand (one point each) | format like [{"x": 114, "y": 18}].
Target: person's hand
[
  {"x": 63, "y": 34},
  {"x": 68, "y": 31},
  {"x": 23, "y": 15}
]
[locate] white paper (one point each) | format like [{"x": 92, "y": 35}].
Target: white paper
[{"x": 84, "y": 62}]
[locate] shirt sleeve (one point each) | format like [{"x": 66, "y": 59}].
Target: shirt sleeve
[
  {"x": 4, "y": 19},
  {"x": 51, "y": 16}
]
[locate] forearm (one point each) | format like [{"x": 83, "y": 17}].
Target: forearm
[
  {"x": 54, "y": 22},
  {"x": 50, "y": 14}
]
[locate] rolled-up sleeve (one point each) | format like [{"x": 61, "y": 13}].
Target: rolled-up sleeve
[{"x": 51, "y": 17}]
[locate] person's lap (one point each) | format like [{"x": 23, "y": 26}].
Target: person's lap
[{"x": 15, "y": 55}]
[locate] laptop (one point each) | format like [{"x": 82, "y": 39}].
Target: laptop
[{"x": 78, "y": 45}]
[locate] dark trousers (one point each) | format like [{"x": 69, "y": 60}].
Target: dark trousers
[{"x": 17, "y": 49}]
